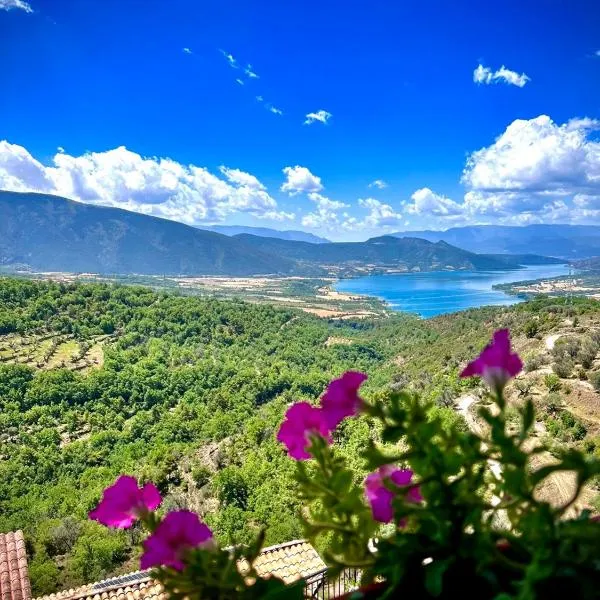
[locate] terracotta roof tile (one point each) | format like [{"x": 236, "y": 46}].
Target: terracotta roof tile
[
  {"x": 14, "y": 577},
  {"x": 290, "y": 561}
]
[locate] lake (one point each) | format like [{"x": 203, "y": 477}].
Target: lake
[{"x": 440, "y": 292}]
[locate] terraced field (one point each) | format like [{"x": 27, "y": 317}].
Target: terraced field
[{"x": 52, "y": 350}]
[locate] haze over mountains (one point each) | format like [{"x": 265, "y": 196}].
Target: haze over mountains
[
  {"x": 563, "y": 241},
  {"x": 286, "y": 234},
  {"x": 50, "y": 233}
]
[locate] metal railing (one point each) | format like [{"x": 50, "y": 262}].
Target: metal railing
[{"x": 321, "y": 586}]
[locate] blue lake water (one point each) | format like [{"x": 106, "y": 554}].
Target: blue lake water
[{"x": 439, "y": 292}]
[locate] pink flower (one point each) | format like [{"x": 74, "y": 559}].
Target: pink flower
[
  {"x": 124, "y": 502},
  {"x": 302, "y": 421},
  {"x": 380, "y": 496},
  {"x": 341, "y": 398},
  {"x": 496, "y": 364},
  {"x": 177, "y": 533}
]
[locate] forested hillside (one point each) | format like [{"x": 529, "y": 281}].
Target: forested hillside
[{"x": 97, "y": 380}]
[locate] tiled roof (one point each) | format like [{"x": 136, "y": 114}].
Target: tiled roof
[
  {"x": 14, "y": 577},
  {"x": 290, "y": 561}
]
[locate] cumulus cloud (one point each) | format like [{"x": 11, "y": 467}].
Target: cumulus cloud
[
  {"x": 380, "y": 214},
  {"x": 325, "y": 213},
  {"x": 156, "y": 186},
  {"x": 536, "y": 171},
  {"x": 241, "y": 178},
  {"x": 274, "y": 109},
  {"x": 259, "y": 98},
  {"x": 238, "y": 80},
  {"x": 378, "y": 183},
  {"x": 18, "y": 4},
  {"x": 427, "y": 202},
  {"x": 537, "y": 155},
  {"x": 485, "y": 75},
  {"x": 321, "y": 115},
  {"x": 300, "y": 179},
  {"x": 324, "y": 202},
  {"x": 187, "y": 51}
]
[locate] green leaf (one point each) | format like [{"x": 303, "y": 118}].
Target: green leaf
[
  {"x": 528, "y": 417},
  {"x": 434, "y": 575}
]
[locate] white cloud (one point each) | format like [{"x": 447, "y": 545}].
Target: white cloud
[
  {"x": 324, "y": 202},
  {"x": 300, "y": 179},
  {"x": 157, "y": 186},
  {"x": 230, "y": 59},
  {"x": 259, "y": 98},
  {"x": 274, "y": 109},
  {"x": 537, "y": 155},
  {"x": 250, "y": 73},
  {"x": 274, "y": 215},
  {"x": 380, "y": 214},
  {"x": 597, "y": 53},
  {"x": 378, "y": 183},
  {"x": 485, "y": 75},
  {"x": 427, "y": 202},
  {"x": 241, "y": 178},
  {"x": 239, "y": 81},
  {"x": 325, "y": 214},
  {"x": 536, "y": 171},
  {"x": 321, "y": 115},
  {"x": 187, "y": 51},
  {"x": 18, "y": 4}
]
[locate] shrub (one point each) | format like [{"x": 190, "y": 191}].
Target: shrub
[
  {"x": 552, "y": 403},
  {"x": 579, "y": 431},
  {"x": 201, "y": 475},
  {"x": 595, "y": 380},
  {"x": 231, "y": 487},
  {"x": 523, "y": 386},
  {"x": 587, "y": 353},
  {"x": 552, "y": 382},
  {"x": 563, "y": 367},
  {"x": 535, "y": 361},
  {"x": 532, "y": 328}
]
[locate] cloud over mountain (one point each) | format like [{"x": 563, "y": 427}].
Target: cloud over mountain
[{"x": 157, "y": 186}]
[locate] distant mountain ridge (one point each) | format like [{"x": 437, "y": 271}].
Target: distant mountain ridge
[
  {"x": 285, "y": 234},
  {"x": 562, "y": 241},
  {"x": 50, "y": 233},
  {"x": 404, "y": 254}
]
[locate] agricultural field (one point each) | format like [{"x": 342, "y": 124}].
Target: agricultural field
[{"x": 51, "y": 350}]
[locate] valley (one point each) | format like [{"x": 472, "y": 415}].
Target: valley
[{"x": 98, "y": 379}]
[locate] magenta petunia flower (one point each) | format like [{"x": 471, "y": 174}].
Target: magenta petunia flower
[
  {"x": 302, "y": 420},
  {"x": 177, "y": 533},
  {"x": 496, "y": 364},
  {"x": 380, "y": 495},
  {"x": 124, "y": 502},
  {"x": 341, "y": 398}
]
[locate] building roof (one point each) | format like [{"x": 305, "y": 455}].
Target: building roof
[
  {"x": 290, "y": 561},
  {"x": 14, "y": 577}
]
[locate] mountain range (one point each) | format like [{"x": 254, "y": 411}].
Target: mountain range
[
  {"x": 49, "y": 233},
  {"x": 286, "y": 234},
  {"x": 562, "y": 241}
]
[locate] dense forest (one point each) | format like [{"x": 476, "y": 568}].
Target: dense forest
[{"x": 97, "y": 380}]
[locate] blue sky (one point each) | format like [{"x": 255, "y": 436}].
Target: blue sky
[{"x": 464, "y": 112}]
